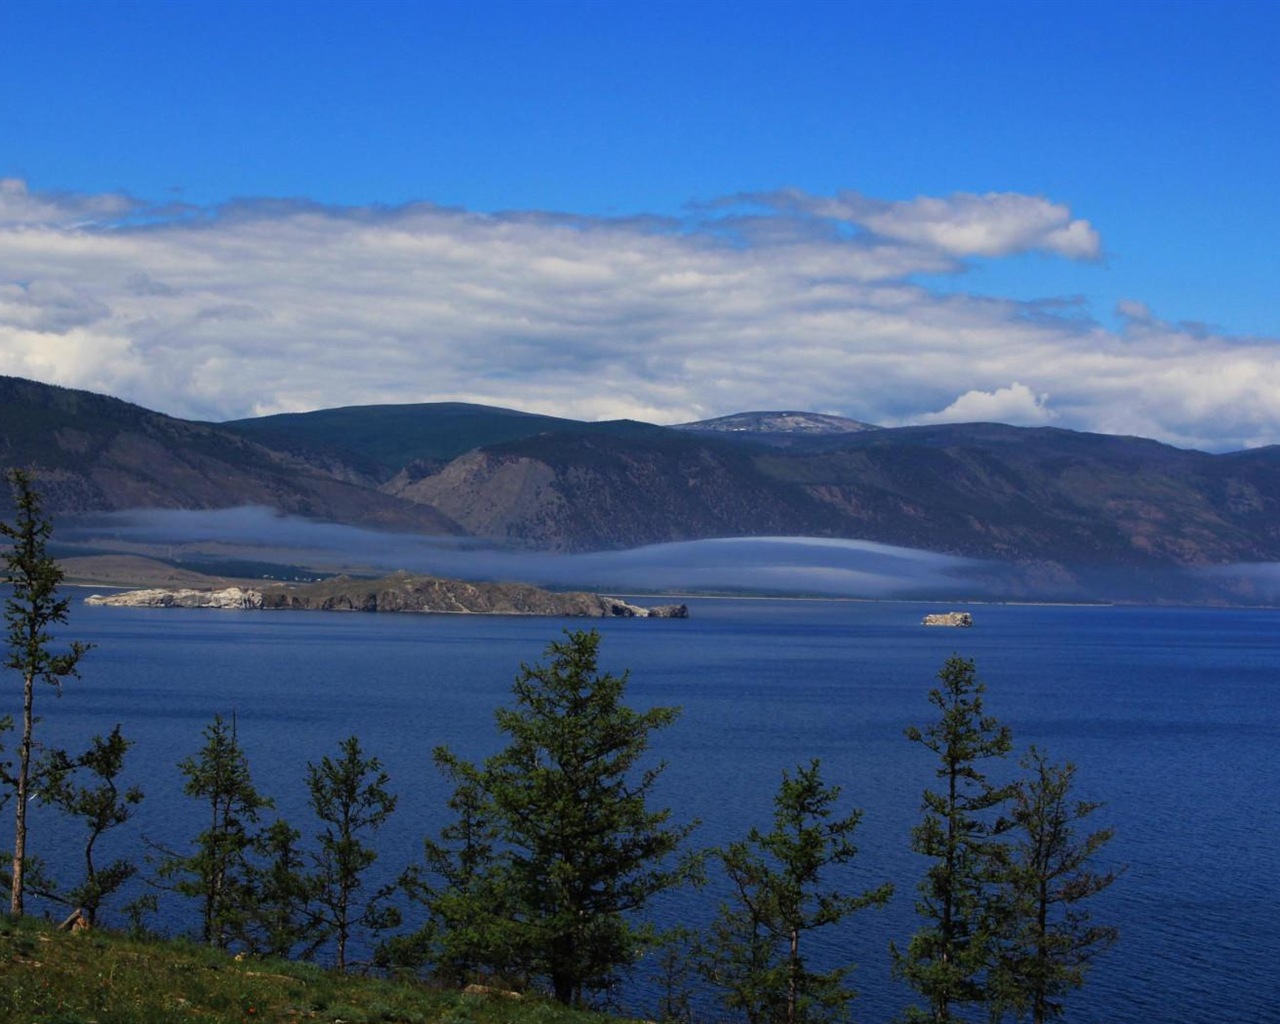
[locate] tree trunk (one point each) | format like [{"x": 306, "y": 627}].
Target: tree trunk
[
  {"x": 792, "y": 980},
  {"x": 20, "y": 813}
]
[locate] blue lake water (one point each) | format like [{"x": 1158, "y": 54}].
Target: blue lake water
[{"x": 1172, "y": 715}]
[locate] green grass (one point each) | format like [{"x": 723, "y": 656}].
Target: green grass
[{"x": 51, "y": 977}]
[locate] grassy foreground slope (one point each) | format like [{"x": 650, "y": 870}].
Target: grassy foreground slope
[{"x": 52, "y": 977}]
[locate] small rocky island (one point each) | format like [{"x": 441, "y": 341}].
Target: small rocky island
[
  {"x": 962, "y": 619},
  {"x": 399, "y": 592}
]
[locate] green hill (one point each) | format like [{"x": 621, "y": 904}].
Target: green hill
[{"x": 385, "y": 438}]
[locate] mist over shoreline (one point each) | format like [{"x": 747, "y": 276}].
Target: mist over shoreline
[{"x": 770, "y": 565}]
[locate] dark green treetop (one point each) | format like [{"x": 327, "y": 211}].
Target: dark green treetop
[{"x": 580, "y": 850}]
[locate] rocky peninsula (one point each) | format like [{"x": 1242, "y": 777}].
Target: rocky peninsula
[{"x": 399, "y": 592}]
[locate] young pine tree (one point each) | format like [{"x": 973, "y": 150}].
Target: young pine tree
[
  {"x": 947, "y": 959},
  {"x": 1048, "y": 938},
  {"x": 218, "y": 872},
  {"x": 30, "y": 613},
  {"x": 276, "y": 920},
  {"x": 101, "y": 806},
  {"x": 350, "y": 797},
  {"x": 782, "y": 892},
  {"x": 460, "y": 890}
]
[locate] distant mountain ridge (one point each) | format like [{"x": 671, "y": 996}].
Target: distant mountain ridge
[
  {"x": 1056, "y": 501},
  {"x": 386, "y": 438},
  {"x": 95, "y": 453}
]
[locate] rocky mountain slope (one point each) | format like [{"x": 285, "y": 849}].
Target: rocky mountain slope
[
  {"x": 94, "y": 453},
  {"x": 1022, "y": 495}
]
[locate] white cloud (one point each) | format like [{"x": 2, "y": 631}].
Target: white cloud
[
  {"x": 19, "y": 205},
  {"x": 960, "y": 225},
  {"x": 268, "y": 306},
  {"x": 1016, "y": 404}
]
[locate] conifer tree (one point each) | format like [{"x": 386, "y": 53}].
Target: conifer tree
[
  {"x": 349, "y": 795},
  {"x": 580, "y": 849},
  {"x": 947, "y": 959},
  {"x": 217, "y": 872},
  {"x": 1048, "y": 938},
  {"x": 101, "y": 806},
  {"x": 30, "y": 613},
  {"x": 276, "y": 920},
  {"x": 460, "y": 889},
  {"x": 782, "y": 891}
]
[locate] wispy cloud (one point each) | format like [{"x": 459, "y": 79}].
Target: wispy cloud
[
  {"x": 960, "y": 225},
  {"x": 783, "y": 300}
]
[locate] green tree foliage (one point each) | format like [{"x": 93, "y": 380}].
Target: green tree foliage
[
  {"x": 946, "y": 961},
  {"x": 101, "y": 805},
  {"x": 350, "y": 797},
  {"x": 218, "y": 871},
  {"x": 275, "y": 920},
  {"x": 580, "y": 850},
  {"x": 1048, "y": 938},
  {"x": 30, "y": 613},
  {"x": 782, "y": 892},
  {"x": 457, "y": 885}
]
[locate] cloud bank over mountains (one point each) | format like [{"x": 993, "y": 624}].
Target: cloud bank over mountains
[{"x": 758, "y": 301}]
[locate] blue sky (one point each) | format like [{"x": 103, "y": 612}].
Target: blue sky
[{"x": 549, "y": 183}]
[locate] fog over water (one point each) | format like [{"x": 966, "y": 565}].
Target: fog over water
[
  {"x": 778, "y": 565},
  {"x": 251, "y": 540}
]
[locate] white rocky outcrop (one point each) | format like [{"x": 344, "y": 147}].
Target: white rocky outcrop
[
  {"x": 236, "y": 598},
  {"x": 949, "y": 619},
  {"x": 614, "y": 607}
]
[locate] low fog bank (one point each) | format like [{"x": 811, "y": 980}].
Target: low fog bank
[
  {"x": 766, "y": 565},
  {"x": 209, "y": 540},
  {"x": 1249, "y": 583}
]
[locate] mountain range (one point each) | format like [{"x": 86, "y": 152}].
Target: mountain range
[{"x": 1053, "y": 499}]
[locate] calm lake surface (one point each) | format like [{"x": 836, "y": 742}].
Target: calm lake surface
[{"x": 1172, "y": 715}]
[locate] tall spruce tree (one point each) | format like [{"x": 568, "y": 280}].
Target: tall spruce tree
[
  {"x": 1048, "y": 939},
  {"x": 782, "y": 891},
  {"x": 947, "y": 959},
  {"x": 580, "y": 849},
  {"x": 30, "y": 613}
]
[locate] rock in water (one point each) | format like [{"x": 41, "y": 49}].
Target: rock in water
[{"x": 949, "y": 619}]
